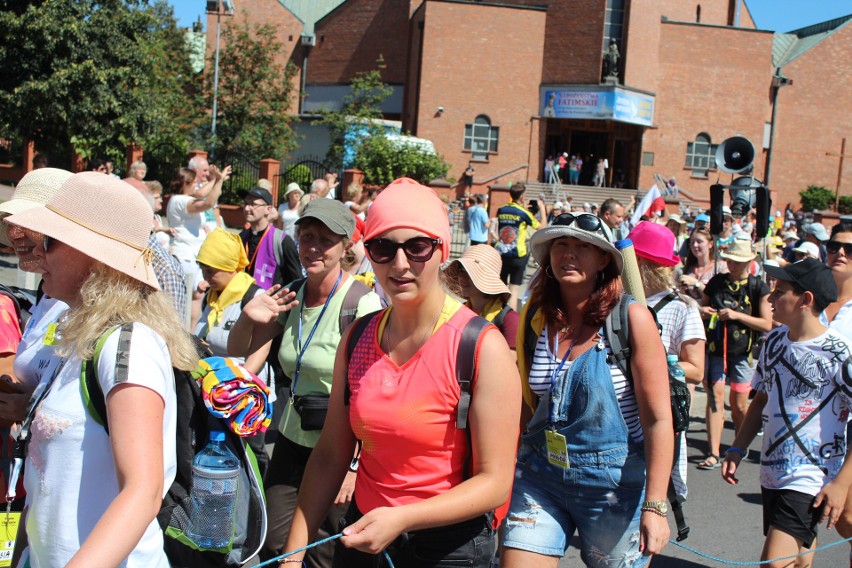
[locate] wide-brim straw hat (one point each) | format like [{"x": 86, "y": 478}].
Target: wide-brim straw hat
[
  {"x": 740, "y": 250},
  {"x": 541, "y": 241},
  {"x": 482, "y": 264},
  {"x": 102, "y": 217},
  {"x": 34, "y": 190}
]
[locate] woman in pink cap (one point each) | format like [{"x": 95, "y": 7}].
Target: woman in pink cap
[
  {"x": 677, "y": 314},
  {"x": 426, "y": 483}
]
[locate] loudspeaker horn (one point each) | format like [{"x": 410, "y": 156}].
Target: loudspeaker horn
[{"x": 735, "y": 155}]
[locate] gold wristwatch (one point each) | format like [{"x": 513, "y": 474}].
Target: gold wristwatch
[{"x": 659, "y": 507}]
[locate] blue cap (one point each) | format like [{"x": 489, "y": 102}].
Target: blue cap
[
  {"x": 702, "y": 217},
  {"x": 217, "y": 436}
]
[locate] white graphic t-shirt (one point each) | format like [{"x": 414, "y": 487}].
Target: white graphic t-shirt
[{"x": 805, "y": 434}]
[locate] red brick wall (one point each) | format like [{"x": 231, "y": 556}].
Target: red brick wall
[
  {"x": 713, "y": 12},
  {"x": 701, "y": 71},
  {"x": 813, "y": 117},
  {"x": 482, "y": 59},
  {"x": 287, "y": 26},
  {"x": 573, "y": 41},
  {"x": 412, "y": 78},
  {"x": 352, "y": 37},
  {"x": 642, "y": 48}
]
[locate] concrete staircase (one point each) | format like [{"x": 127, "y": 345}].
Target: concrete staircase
[{"x": 579, "y": 194}]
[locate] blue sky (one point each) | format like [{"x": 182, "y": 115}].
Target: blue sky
[{"x": 776, "y": 15}]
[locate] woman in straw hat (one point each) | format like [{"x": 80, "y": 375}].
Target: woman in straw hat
[
  {"x": 288, "y": 212},
  {"x": 309, "y": 336},
  {"x": 735, "y": 309},
  {"x": 476, "y": 278},
  {"x": 93, "y": 497},
  {"x": 402, "y": 403},
  {"x": 594, "y": 432}
]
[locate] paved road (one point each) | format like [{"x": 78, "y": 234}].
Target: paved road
[{"x": 725, "y": 519}]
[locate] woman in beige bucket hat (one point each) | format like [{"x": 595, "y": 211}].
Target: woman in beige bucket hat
[
  {"x": 93, "y": 496},
  {"x": 475, "y": 276}
]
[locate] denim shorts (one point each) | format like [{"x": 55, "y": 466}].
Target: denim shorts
[
  {"x": 740, "y": 372},
  {"x": 599, "y": 496}
]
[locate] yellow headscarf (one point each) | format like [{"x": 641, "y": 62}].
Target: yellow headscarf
[{"x": 224, "y": 251}]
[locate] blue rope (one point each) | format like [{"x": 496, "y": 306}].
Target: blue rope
[
  {"x": 757, "y": 562},
  {"x": 313, "y": 544}
]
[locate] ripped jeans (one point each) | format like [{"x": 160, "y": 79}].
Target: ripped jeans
[{"x": 599, "y": 496}]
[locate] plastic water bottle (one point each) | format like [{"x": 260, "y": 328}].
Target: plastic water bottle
[
  {"x": 215, "y": 475},
  {"x": 675, "y": 370}
]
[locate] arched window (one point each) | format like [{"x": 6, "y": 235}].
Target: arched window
[
  {"x": 700, "y": 155},
  {"x": 480, "y": 138}
]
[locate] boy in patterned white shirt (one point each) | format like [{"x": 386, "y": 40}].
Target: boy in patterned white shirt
[{"x": 804, "y": 387}]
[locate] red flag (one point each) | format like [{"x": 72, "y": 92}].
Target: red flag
[{"x": 650, "y": 205}]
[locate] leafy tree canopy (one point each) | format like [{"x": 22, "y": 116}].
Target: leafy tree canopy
[
  {"x": 816, "y": 198},
  {"x": 95, "y": 74},
  {"x": 255, "y": 94}
]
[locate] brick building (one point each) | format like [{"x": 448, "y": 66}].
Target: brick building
[{"x": 503, "y": 84}]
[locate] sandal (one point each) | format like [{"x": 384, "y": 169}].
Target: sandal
[{"x": 708, "y": 465}]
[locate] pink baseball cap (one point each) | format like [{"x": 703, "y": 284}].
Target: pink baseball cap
[{"x": 654, "y": 242}]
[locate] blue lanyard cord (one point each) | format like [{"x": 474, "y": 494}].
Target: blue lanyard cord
[
  {"x": 303, "y": 348},
  {"x": 558, "y": 370},
  {"x": 313, "y": 544}
]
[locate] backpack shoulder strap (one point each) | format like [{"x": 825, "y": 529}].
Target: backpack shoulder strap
[
  {"x": 277, "y": 239},
  {"x": 93, "y": 395},
  {"x": 664, "y": 301},
  {"x": 466, "y": 365},
  {"x": 530, "y": 337},
  {"x": 353, "y": 296},
  {"x": 617, "y": 334},
  {"x": 248, "y": 296},
  {"x": 498, "y": 319}
]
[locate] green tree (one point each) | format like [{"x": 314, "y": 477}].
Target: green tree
[
  {"x": 360, "y": 107},
  {"x": 816, "y": 198},
  {"x": 383, "y": 160},
  {"x": 255, "y": 94},
  {"x": 92, "y": 74}
]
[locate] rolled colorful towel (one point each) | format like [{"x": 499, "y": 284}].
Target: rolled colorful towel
[{"x": 233, "y": 393}]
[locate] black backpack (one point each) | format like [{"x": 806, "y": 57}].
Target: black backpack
[
  {"x": 740, "y": 337},
  {"x": 194, "y": 424}
]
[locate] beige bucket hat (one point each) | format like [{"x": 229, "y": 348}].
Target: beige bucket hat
[
  {"x": 482, "y": 264},
  {"x": 102, "y": 217},
  {"x": 34, "y": 190},
  {"x": 740, "y": 250}
]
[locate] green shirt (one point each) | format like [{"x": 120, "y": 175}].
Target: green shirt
[{"x": 315, "y": 375}]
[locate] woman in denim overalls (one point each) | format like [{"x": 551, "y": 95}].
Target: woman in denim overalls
[{"x": 583, "y": 458}]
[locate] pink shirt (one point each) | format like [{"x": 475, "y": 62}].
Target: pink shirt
[{"x": 406, "y": 418}]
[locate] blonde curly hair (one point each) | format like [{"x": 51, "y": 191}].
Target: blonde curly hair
[{"x": 110, "y": 298}]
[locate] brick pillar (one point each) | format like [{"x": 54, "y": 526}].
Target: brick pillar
[
  {"x": 269, "y": 169},
  {"x": 351, "y": 176},
  {"x": 200, "y": 153},
  {"x": 29, "y": 154},
  {"x": 442, "y": 188},
  {"x": 134, "y": 153}
]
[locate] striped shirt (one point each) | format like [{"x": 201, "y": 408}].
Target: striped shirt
[{"x": 544, "y": 364}]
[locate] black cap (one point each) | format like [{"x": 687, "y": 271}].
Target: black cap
[
  {"x": 810, "y": 274},
  {"x": 258, "y": 192}
]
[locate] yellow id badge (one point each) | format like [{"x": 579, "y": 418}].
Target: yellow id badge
[
  {"x": 50, "y": 334},
  {"x": 8, "y": 535},
  {"x": 557, "y": 449}
]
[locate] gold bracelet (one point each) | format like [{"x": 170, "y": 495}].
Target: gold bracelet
[{"x": 653, "y": 510}]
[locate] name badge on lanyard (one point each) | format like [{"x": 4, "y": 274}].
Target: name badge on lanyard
[{"x": 557, "y": 445}]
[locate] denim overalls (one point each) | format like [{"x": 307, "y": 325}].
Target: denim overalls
[{"x": 601, "y": 491}]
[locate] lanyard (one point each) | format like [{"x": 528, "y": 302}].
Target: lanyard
[
  {"x": 303, "y": 348},
  {"x": 558, "y": 370},
  {"x": 19, "y": 450}
]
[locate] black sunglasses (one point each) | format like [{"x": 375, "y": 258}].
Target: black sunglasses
[
  {"x": 418, "y": 249},
  {"x": 834, "y": 247},
  {"x": 47, "y": 241},
  {"x": 585, "y": 221}
]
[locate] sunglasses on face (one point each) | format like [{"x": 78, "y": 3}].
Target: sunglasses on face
[
  {"x": 47, "y": 241},
  {"x": 418, "y": 249},
  {"x": 585, "y": 221},
  {"x": 833, "y": 247}
]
